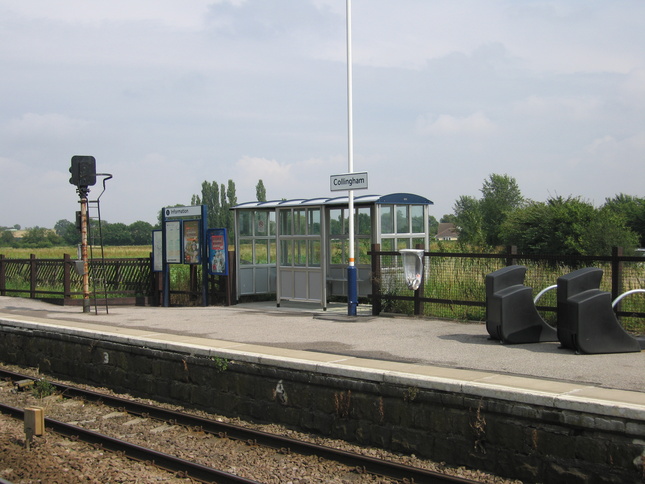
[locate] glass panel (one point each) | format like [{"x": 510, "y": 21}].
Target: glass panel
[
  {"x": 261, "y": 221},
  {"x": 335, "y": 221},
  {"x": 285, "y": 222},
  {"x": 272, "y": 223},
  {"x": 417, "y": 218},
  {"x": 418, "y": 242},
  {"x": 387, "y": 219},
  {"x": 300, "y": 257},
  {"x": 402, "y": 220},
  {"x": 363, "y": 246},
  {"x": 363, "y": 221},
  {"x": 261, "y": 251},
  {"x": 246, "y": 251},
  {"x": 314, "y": 222},
  {"x": 286, "y": 253},
  {"x": 336, "y": 255},
  {"x": 244, "y": 223},
  {"x": 345, "y": 221},
  {"x": 314, "y": 253},
  {"x": 402, "y": 244},
  {"x": 272, "y": 252},
  {"x": 299, "y": 222},
  {"x": 387, "y": 245}
]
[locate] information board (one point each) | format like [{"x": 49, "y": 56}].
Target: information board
[
  {"x": 173, "y": 242},
  {"x": 157, "y": 250}
]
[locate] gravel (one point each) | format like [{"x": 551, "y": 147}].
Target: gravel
[{"x": 55, "y": 459}]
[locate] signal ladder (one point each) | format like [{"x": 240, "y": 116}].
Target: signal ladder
[{"x": 97, "y": 267}]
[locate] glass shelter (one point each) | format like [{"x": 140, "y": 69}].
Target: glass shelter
[{"x": 299, "y": 249}]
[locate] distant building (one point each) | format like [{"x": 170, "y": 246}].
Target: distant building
[{"x": 447, "y": 231}]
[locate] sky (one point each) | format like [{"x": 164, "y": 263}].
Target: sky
[{"x": 166, "y": 94}]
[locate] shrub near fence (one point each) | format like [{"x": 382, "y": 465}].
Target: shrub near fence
[
  {"x": 454, "y": 287},
  {"x": 57, "y": 280}
]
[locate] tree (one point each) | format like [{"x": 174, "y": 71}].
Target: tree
[
  {"x": 113, "y": 234},
  {"x": 565, "y": 226},
  {"x": 479, "y": 221},
  {"x": 68, "y": 232},
  {"x": 433, "y": 225},
  {"x": 260, "y": 192},
  {"x": 633, "y": 210},
  {"x": 140, "y": 232},
  {"x": 468, "y": 218},
  {"x": 38, "y": 237},
  {"x": 500, "y": 196},
  {"x": 7, "y": 239},
  {"x": 448, "y": 218},
  {"x": 231, "y": 198}
]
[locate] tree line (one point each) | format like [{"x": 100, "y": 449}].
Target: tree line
[
  {"x": 558, "y": 226},
  {"x": 501, "y": 216},
  {"x": 218, "y": 198}
]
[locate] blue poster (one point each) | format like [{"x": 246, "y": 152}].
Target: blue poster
[{"x": 217, "y": 252}]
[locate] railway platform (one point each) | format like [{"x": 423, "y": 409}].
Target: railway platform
[
  {"x": 531, "y": 411},
  {"x": 446, "y": 349}
]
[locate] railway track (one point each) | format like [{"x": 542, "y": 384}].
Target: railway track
[{"x": 282, "y": 444}]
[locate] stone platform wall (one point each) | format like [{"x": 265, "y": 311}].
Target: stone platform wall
[{"x": 517, "y": 440}]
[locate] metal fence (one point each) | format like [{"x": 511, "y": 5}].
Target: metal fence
[
  {"x": 57, "y": 279},
  {"x": 453, "y": 286}
]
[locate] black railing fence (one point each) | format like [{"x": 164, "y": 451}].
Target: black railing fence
[
  {"x": 56, "y": 279},
  {"x": 453, "y": 285}
]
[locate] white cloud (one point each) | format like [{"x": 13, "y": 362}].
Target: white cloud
[
  {"x": 573, "y": 107},
  {"x": 167, "y": 94},
  {"x": 45, "y": 126},
  {"x": 476, "y": 124}
]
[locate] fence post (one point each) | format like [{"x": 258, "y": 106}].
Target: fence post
[
  {"x": 33, "y": 270},
  {"x": 616, "y": 273},
  {"x": 418, "y": 303},
  {"x": 67, "y": 279},
  {"x": 376, "y": 279},
  {"x": 3, "y": 276},
  {"x": 511, "y": 250}
]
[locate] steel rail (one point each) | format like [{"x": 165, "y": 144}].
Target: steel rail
[
  {"x": 136, "y": 452},
  {"x": 362, "y": 463}
]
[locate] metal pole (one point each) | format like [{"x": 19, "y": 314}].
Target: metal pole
[
  {"x": 83, "y": 191},
  {"x": 352, "y": 289}
]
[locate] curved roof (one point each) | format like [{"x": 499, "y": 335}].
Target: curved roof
[{"x": 393, "y": 198}]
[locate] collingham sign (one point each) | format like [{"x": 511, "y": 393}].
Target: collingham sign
[{"x": 348, "y": 181}]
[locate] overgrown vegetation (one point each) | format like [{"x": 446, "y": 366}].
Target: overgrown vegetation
[{"x": 559, "y": 226}]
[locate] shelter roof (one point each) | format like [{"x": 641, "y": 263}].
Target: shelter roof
[{"x": 393, "y": 198}]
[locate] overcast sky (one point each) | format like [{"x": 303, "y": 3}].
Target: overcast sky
[{"x": 168, "y": 93}]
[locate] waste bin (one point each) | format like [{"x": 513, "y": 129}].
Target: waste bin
[{"x": 412, "y": 267}]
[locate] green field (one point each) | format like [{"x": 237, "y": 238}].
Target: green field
[{"x": 116, "y": 252}]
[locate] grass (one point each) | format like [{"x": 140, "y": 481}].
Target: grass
[{"x": 111, "y": 252}]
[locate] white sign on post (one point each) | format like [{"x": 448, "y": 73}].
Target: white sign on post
[{"x": 348, "y": 181}]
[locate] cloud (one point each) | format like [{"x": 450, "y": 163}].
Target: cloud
[
  {"x": 476, "y": 124},
  {"x": 45, "y": 126},
  {"x": 572, "y": 107}
]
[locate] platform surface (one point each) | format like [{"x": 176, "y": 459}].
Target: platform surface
[{"x": 428, "y": 348}]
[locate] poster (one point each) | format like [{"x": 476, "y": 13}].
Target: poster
[
  {"x": 217, "y": 252},
  {"x": 192, "y": 247},
  {"x": 157, "y": 251},
  {"x": 173, "y": 242}
]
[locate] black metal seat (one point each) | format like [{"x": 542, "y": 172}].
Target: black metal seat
[
  {"x": 586, "y": 320},
  {"x": 511, "y": 315}
]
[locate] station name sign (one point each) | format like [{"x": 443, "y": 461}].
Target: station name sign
[{"x": 348, "y": 181}]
